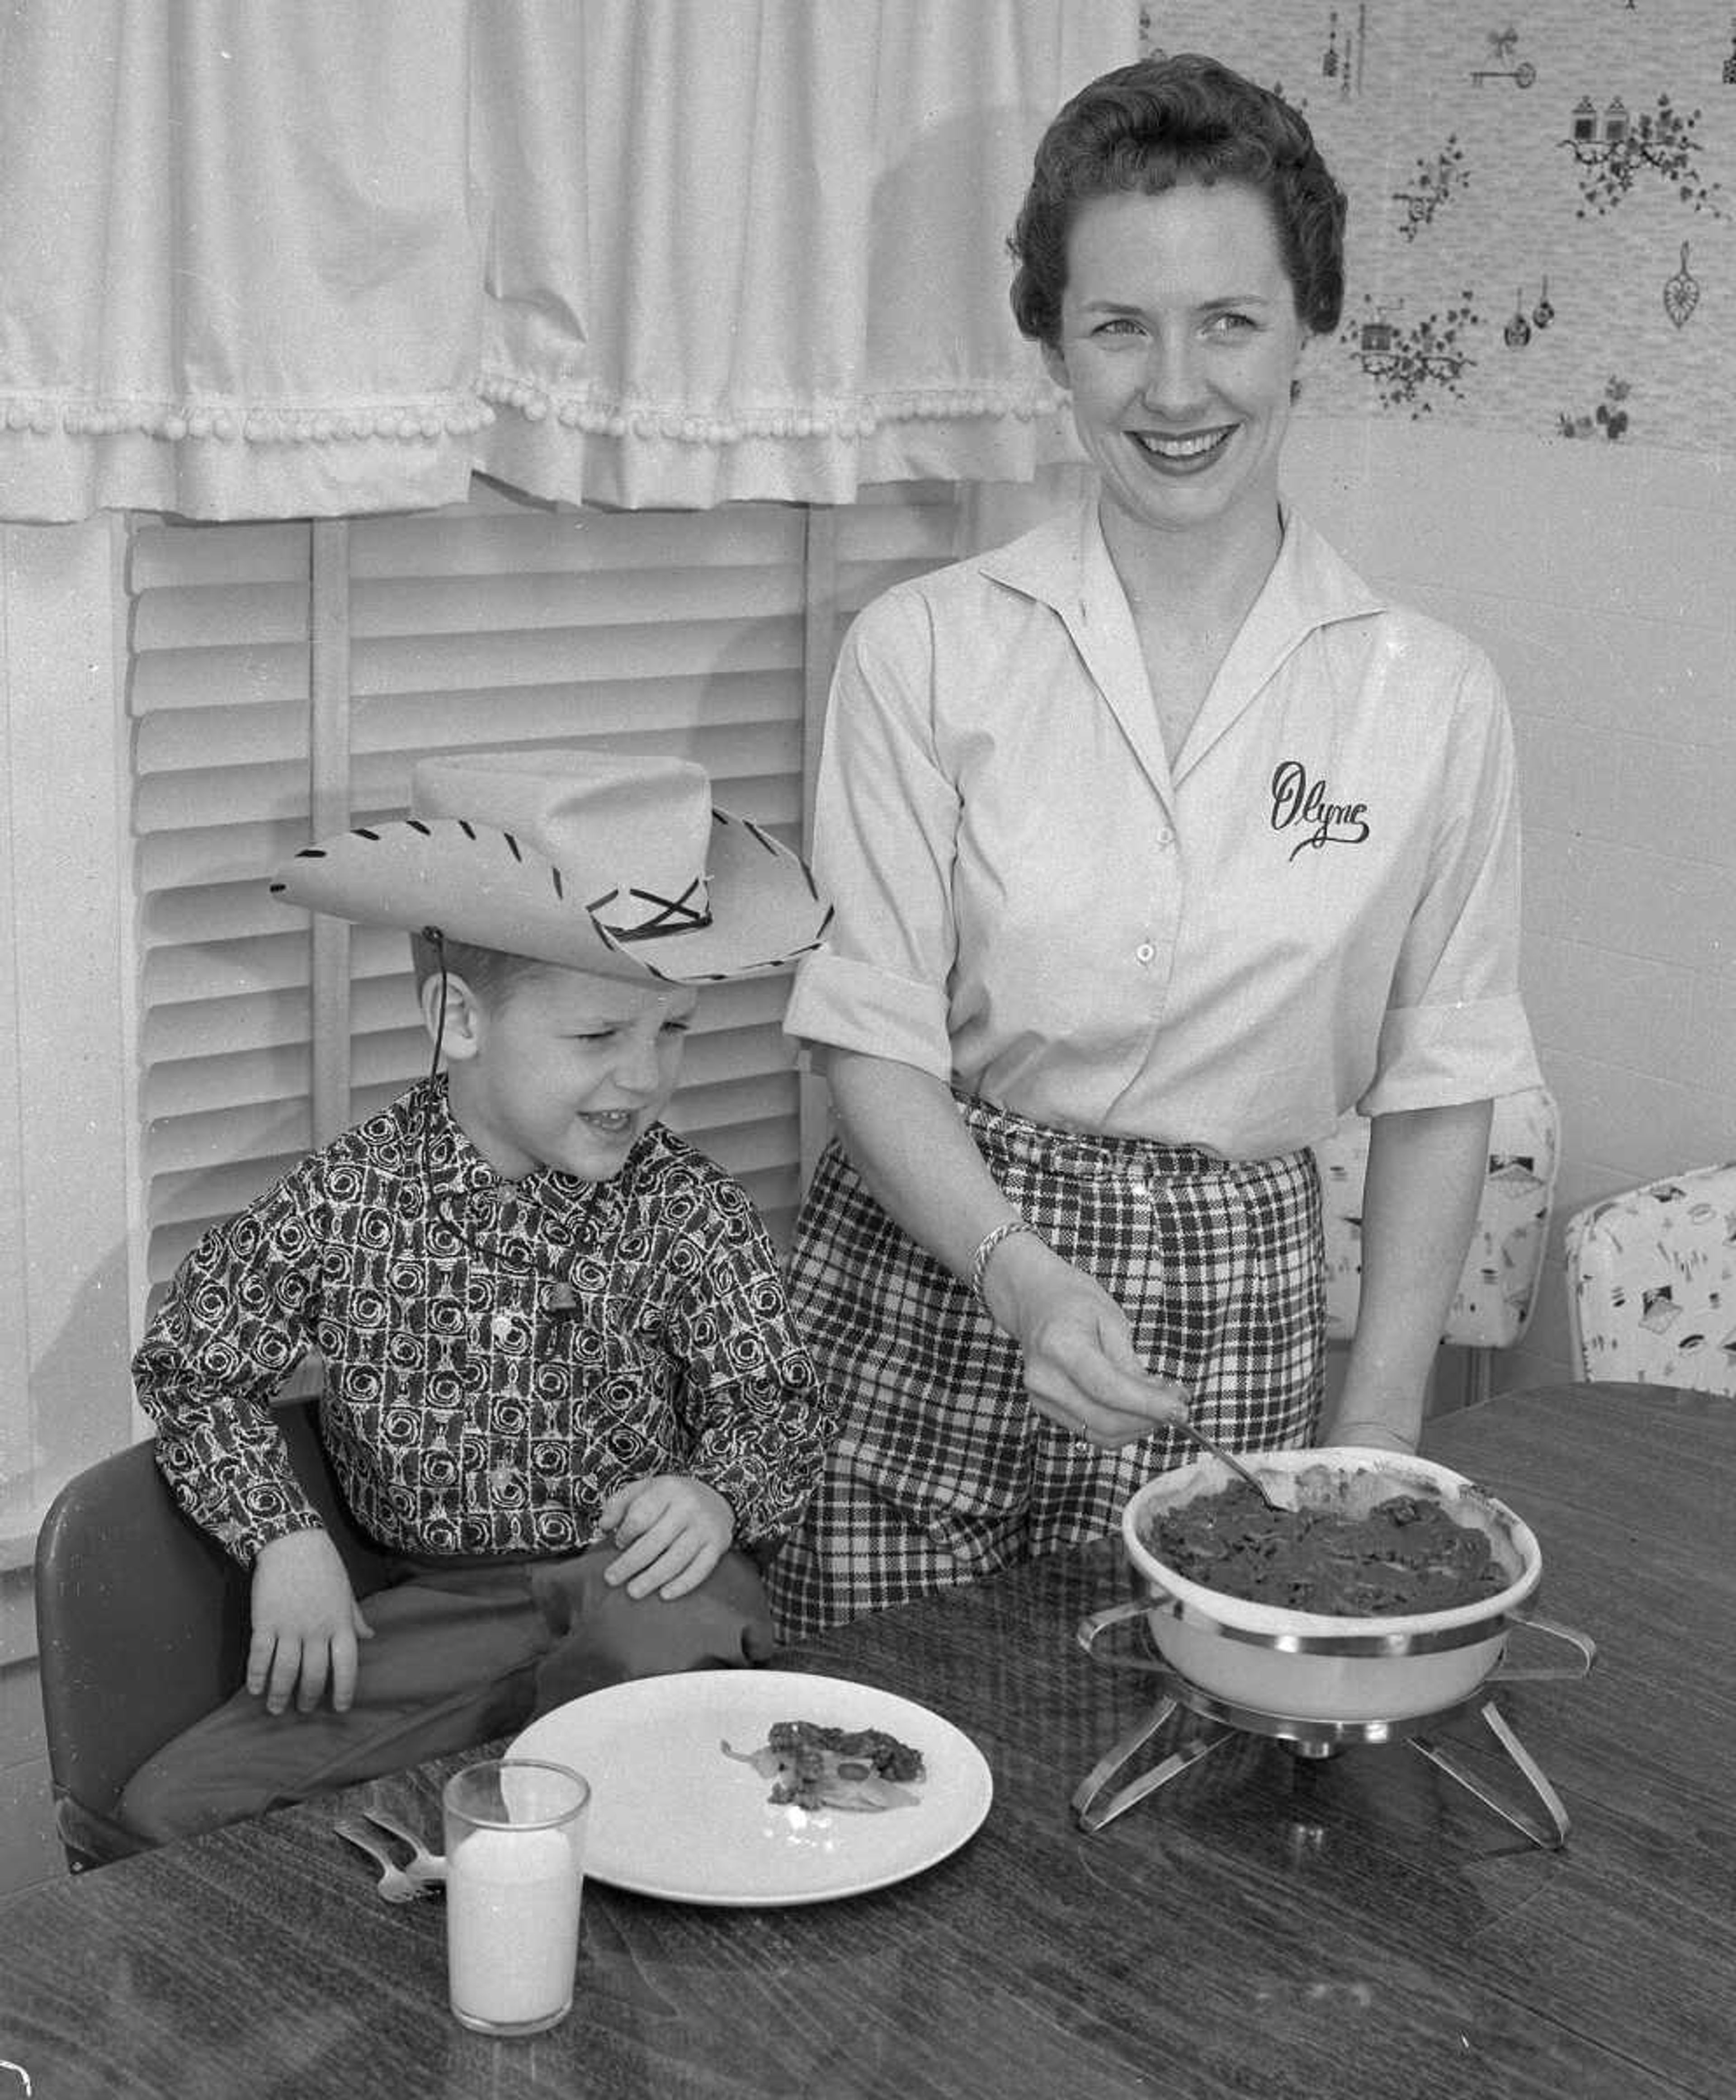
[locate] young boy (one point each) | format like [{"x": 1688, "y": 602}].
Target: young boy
[{"x": 561, "y": 1390}]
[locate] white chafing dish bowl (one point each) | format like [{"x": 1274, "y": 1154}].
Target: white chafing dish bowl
[{"x": 1312, "y": 1665}]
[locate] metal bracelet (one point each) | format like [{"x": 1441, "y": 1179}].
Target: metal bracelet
[{"x": 986, "y": 1247}]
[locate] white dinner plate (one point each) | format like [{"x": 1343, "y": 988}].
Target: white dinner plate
[{"x": 672, "y": 1816}]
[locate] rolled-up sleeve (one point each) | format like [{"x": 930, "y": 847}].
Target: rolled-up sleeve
[
  {"x": 886, "y": 825},
  {"x": 1454, "y": 1027}
]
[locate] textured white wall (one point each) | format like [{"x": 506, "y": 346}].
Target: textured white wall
[{"x": 1602, "y": 579}]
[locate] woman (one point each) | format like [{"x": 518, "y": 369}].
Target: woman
[{"x": 1157, "y": 840}]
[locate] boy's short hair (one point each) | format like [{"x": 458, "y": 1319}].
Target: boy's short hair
[{"x": 491, "y": 973}]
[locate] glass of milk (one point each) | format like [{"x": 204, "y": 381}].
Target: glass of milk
[{"x": 514, "y": 1868}]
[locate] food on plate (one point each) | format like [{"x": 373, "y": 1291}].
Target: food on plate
[
  {"x": 814, "y": 1766},
  {"x": 1405, "y": 1554}
]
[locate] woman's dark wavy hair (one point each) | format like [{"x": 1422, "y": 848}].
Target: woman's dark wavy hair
[{"x": 1162, "y": 121}]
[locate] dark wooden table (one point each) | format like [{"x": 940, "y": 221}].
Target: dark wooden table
[{"x": 1264, "y": 1925}]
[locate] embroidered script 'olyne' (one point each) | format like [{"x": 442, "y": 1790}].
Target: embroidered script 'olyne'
[{"x": 1297, "y": 800}]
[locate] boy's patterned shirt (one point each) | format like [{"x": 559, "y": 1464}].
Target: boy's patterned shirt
[{"x": 465, "y": 1412}]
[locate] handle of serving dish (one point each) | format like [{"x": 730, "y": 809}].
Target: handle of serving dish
[
  {"x": 1587, "y": 1647},
  {"x": 1116, "y": 1615}
]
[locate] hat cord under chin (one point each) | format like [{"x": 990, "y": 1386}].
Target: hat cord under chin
[
  {"x": 443, "y": 1208},
  {"x": 437, "y": 1207}
]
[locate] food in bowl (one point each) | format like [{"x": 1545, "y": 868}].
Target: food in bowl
[{"x": 1405, "y": 1554}]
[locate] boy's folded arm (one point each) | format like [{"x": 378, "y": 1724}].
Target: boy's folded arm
[
  {"x": 224, "y": 1342},
  {"x": 756, "y": 1415},
  {"x": 231, "y": 1329},
  {"x": 226, "y": 1463},
  {"x": 760, "y": 1442}
]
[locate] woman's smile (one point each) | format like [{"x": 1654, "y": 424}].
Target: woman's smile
[{"x": 1186, "y": 454}]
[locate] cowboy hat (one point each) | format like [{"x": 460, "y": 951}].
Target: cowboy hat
[{"x": 617, "y": 866}]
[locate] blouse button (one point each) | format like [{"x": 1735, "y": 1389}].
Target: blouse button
[{"x": 1145, "y": 951}]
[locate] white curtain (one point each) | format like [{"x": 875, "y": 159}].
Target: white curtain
[{"x": 263, "y": 259}]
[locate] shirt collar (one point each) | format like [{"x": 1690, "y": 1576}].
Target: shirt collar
[
  {"x": 455, "y": 1168},
  {"x": 1311, "y": 586},
  {"x": 452, "y": 1165},
  {"x": 1063, "y": 564}
]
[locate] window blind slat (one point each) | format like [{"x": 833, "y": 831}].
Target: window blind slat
[
  {"x": 185, "y": 857},
  {"x": 472, "y": 540},
  {"x": 188, "y": 752},
  {"x": 165, "y": 556},
  {"x": 425, "y": 606},
  {"x": 225, "y": 970},
  {"x": 271, "y": 792},
  {"x": 218, "y": 678},
  {"x": 245, "y": 617},
  {"x": 493, "y": 717},
  {"x": 644, "y": 651}
]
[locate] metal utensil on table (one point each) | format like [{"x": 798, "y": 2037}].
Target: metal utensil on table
[
  {"x": 423, "y": 1864},
  {"x": 396, "y": 1886},
  {"x": 1230, "y": 1459}
]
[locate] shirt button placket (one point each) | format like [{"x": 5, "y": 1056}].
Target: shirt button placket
[{"x": 1146, "y": 953}]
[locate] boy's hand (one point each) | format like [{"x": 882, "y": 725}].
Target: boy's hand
[
  {"x": 305, "y": 1624},
  {"x": 674, "y": 1531}
]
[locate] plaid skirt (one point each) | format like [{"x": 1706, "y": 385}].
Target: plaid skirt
[{"x": 942, "y": 1470}]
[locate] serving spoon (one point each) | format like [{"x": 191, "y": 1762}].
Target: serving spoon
[{"x": 1232, "y": 1460}]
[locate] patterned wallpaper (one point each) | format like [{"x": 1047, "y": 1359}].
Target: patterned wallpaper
[{"x": 1543, "y": 204}]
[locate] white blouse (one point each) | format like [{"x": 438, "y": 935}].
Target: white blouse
[{"x": 1317, "y": 907}]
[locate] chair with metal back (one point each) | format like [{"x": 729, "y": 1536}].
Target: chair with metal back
[
  {"x": 1651, "y": 1283},
  {"x": 1497, "y": 1287},
  {"x": 141, "y": 1626}
]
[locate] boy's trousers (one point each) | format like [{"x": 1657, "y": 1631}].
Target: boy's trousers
[{"x": 459, "y": 1656}]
